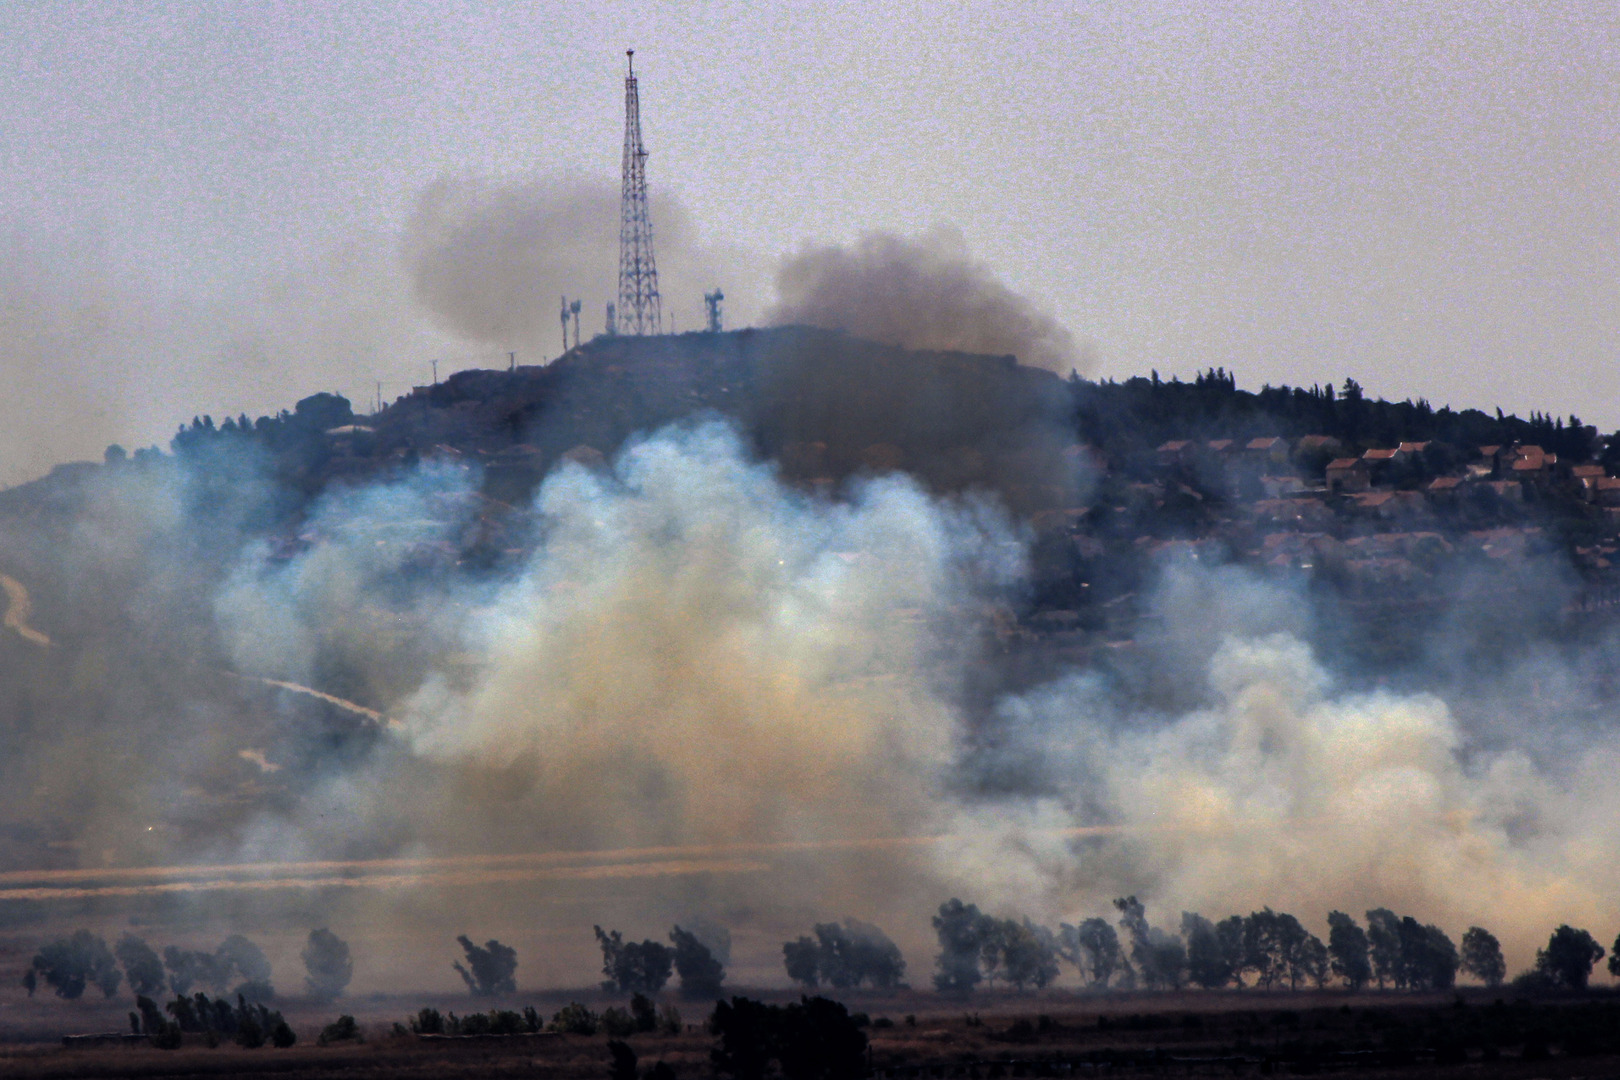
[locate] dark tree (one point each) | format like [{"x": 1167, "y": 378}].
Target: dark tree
[
  {"x": 701, "y": 974},
  {"x": 1160, "y": 959},
  {"x": 817, "y": 1039},
  {"x": 643, "y": 1012},
  {"x": 494, "y": 967},
  {"x": 1568, "y": 958},
  {"x": 623, "y": 1066},
  {"x": 802, "y": 958},
  {"x": 1093, "y": 948},
  {"x": 1020, "y": 953},
  {"x": 1230, "y": 932},
  {"x": 1384, "y": 946},
  {"x": 963, "y": 931},
  {"x": 1428, "y": 957},
  {"x": 745, "y": 1037},
  {"x": 328, "y": 964},
  {"x": 1347, "y": 950},
  {"x": 855, "y": 953},
  {"x": 142, "y": 965},
  {"x": 1482, "y": 956},
  {"x": 1614, "y": 953},
  {"x": 1207, "y": 963},
  {"x": 1264, "y": 947},
  {"x": 70, "y": 964},
  {"x": 631, "y": 967}
]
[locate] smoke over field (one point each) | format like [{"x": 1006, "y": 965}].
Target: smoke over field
[{"x": 703, "y": 692}]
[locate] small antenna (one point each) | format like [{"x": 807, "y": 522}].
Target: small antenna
[{"x": 712, "y": 301}]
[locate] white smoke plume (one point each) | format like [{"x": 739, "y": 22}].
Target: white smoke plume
[
  {"x": 1285, "y": 787},
  {"x": 749, "y": 701},
  {"x": 921, "y": 293}
]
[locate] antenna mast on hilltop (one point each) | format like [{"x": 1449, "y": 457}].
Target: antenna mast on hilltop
[{"x": 638, "y": 274}]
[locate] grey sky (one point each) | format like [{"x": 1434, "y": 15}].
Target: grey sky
[{"x": 201, "y": 205}]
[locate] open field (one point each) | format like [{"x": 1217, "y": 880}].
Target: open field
[{"x": 1049, "y": 1034}]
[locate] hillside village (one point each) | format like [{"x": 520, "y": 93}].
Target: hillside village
[{"x": 1386, "y": 507}]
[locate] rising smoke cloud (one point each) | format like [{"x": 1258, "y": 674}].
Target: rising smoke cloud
[
  {"x": 698, "y": 656},
  {"x": 919, "y": 293},
  {"x": 1282, "y": 785},
  {"x": 489, "y": 259}
]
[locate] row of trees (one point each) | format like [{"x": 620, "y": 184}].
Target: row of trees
[
  {"x": 629, "y": 967},
  {"x": 72, "y": 964},
  {"x": 844, "y": 956},
  {"x": 1271, "y": 948},
  {"x": 248, "y": 1024},
  {"x": 1128, "y": 419},
  {"x": 644, "y": 967}
]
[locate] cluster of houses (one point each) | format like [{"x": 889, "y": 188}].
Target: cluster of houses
[
  {"x": 1507, "y": 472},
  {"x": 1391, "y": 516}
]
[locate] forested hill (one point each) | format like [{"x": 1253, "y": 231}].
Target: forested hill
[{"x": 1129, "y": 420}]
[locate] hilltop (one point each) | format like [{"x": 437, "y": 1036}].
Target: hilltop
[{"x": 1383, "y": 506}]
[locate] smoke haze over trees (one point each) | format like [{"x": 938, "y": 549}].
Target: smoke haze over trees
[{"x": 713, "y": 636}]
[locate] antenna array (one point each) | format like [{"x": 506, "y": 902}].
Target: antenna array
[{"x": 638, "y": 308}]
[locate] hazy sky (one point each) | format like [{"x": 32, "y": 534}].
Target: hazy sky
[{"x": 202, "y": 205}]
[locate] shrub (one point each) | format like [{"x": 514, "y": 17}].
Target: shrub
[
  {"x": 428, "y": 1022},
  {"x": 644, "y": 1013},
  {"x": 618, "y": 1022},
  {"x": 343, "y": 1029},
  {"x": 575, "y": 1019},
  {"x": 623, "y": 1066}
]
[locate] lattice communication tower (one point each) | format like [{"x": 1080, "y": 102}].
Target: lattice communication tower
[{"x": 638, "y": 309}]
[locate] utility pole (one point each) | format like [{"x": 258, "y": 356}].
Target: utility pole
[
  {"x": 565, "y": 323},
  {"x": 435, "y": 373},
  {"x": 712, "y": 301},
  {"x": 511, "y": 362},
  {"x": 573, "y": 309},
  {"x": 639, "y": 311}
]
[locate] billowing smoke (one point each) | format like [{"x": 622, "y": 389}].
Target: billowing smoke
[
  {"x": 922, "y": 293},
  {"x": 751, "y": 700},
  {"x": 695, "y": 656},
  {"x": 1284, "y": 789},
  {"x": 490, "y": 260}
]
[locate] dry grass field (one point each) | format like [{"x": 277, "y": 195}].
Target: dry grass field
[{"x": 917, "y": 1034}]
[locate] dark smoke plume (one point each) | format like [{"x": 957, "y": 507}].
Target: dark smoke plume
[
  {"x": 490, "y": 260},
  {"x": 923, "y": 293}
]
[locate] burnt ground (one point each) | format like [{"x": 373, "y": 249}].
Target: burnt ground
[{"x": 916, "y": 1034}]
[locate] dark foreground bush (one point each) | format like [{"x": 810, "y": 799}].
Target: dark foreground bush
[
  {"x": 247, "y": 1024},
  {"x": 343, "y": 1029},
  {"x": 815, "y": 1039}
]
